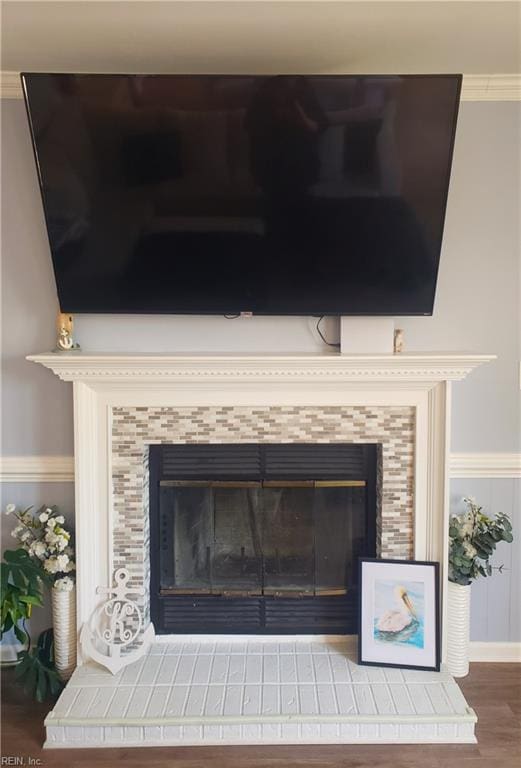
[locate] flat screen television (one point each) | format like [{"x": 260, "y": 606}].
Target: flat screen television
[{"x": 221, "y": 194}]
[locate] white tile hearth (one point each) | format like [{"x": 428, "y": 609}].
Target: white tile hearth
[{"x": 225, "y": 690}]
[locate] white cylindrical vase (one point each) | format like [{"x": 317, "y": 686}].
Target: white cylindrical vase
[
  {"x": 458, "y": 629},
  {"x": 64, "y": 626}
]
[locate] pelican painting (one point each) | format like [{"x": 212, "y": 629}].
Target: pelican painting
[{"x": 398, "y": 615}]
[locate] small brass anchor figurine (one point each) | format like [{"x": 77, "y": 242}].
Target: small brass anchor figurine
[{"x": 65, "y": 333}]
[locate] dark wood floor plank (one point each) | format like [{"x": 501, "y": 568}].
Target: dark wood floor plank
[{"x": 493, "y": 690}]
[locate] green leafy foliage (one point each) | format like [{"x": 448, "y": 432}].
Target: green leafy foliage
[
  {"x": 473, "y": 538},
  {"x": 21, "y": 589},
  {"x": 35, "y": 669}
]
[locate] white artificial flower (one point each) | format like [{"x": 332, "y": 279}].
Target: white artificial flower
[
  {"x": 65, "y": 584},
  {"x": 51, "y": 565},
  {"x": 51, "y": 538},
  {"x": 49, "y": 511},
  {"x": 38, "y": 549},
  {"x": 60, "y": 519},
  {"x": 44, "y": 517},
  {"x": 15, "y": 533},
  {"x": 10, "y": 509},
  {"x": 62, "y": 561},
  {"x": 69, "y": 567},
  {"x": 25, "y": 535},
  {"x": 62, "y": 542}
]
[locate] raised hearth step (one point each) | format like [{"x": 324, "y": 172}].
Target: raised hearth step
[{"x": 256, "y": 691}]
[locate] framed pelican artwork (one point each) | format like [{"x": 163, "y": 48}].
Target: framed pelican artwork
[{"x": 399, "y": 615}]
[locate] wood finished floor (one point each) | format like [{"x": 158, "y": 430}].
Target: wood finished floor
[{"x": 493, "y": 690}]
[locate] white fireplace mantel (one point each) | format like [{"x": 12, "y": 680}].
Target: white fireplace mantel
[
  {"x": 154, "y": 370},
  {"x": 103, "y": 382}
]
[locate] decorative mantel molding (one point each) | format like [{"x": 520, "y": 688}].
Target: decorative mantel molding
[{"x": 136, "y": 370}]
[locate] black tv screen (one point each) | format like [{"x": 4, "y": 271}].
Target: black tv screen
[{"x": 219, "y": 194}]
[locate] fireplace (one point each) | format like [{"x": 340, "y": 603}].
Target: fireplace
[
  {"x": 260, "y": 538},
  {"x": 126, "y": 408},
  {"x": 126, "y": 404}
]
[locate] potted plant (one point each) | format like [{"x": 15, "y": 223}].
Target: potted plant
[
  {"x": 473, "y": 537},
  {"x": 45, "y": 542},
  {"x": 22, "y": 581}
]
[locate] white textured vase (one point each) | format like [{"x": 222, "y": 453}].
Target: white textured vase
[
  {"x": 458, "y": 630},
  {"x": 64, "y": 625}
]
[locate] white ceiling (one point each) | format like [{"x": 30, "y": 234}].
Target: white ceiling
[{"x": 197, "y": 36}]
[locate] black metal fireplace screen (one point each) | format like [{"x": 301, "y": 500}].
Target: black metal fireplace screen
[{"x": 259, "y": 538}]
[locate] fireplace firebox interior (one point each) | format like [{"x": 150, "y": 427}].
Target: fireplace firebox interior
[{"x": 262, "y": 538}]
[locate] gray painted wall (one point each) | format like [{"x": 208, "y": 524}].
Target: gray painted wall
[{"x": 477, "y": 309}]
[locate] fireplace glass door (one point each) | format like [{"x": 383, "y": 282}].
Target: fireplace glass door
[
  {"x": 272, "y": 538},
  {"x": 277, "y": 546}
]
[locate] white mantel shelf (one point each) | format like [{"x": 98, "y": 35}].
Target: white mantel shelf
[{"x": 417, "y": 368}]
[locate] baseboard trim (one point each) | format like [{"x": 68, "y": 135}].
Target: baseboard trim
[
  {"x": 479, "y": 651},
  {"x": 495, "y": 652}
]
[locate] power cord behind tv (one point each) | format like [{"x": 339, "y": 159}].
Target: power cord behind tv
[{"x": 335, "y": 344}]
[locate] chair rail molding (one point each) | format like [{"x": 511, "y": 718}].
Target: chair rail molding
[
  {"x": 37, "y": 469},
  {"x": 494, "y": 465},
  {"x": 60, "y": 469},
  {"x": 496, "y": 87}
]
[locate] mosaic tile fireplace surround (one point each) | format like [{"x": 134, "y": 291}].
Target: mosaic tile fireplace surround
[{"x": 135, "y": 429}]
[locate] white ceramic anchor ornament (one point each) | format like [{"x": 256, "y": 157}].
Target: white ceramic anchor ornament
[{"x": 114, "y": 625}]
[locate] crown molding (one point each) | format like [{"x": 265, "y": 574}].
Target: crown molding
[
  {"x": 491, "y": 88},
  {"x": 496, "y": 465},
  {"x": 505, "y": 87},
  {"x": 37, "y": 469},
  {"x": 408, "y": 370},
  {"x": 10, "y": 85}
]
